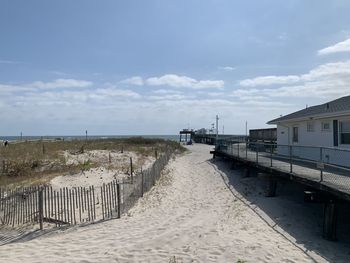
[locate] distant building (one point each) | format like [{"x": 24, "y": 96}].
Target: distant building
[
  {"x": 201, "y": 131},
  {"x": 325, "y": 125}
]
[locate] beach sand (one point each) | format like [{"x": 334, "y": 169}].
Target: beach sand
[{"x": 191, "y": 215}]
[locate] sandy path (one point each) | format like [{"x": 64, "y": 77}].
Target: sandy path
[{"x": 190, "y": 214}]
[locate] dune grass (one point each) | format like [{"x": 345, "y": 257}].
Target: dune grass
[{"x": 32, "y": 162}]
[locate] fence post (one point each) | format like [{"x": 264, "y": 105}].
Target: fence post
[
  {"x": 118, "y": 199},
  {"x": 271, "y": 150},
  {"x": 290, "y": 158},
  {"x": 41, "y": 207},
  {"x": 321, "y": 160},
  {"x": 131, "y": 171},
  {"x": 142, "y": 182}
]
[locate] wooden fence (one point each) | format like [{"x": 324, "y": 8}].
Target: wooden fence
[{"x": 69, "y": 206}]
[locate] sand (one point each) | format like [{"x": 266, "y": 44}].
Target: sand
[
  {"x": 118, "y": 168},
  {"x": 189, "y": 216}
]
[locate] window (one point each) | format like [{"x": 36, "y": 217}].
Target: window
[
  {"x": 326, "y": 126},
  {"x": 345, "y": 132},
  {"x": 310, "y": 127},
  {"x": 295, "y": 134}
]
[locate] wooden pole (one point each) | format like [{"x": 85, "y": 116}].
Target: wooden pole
[
  {"x": 55, "y": 198},
  {"x": 142, "y": 182},
  {"x": 88, "y": 203},
  {"x": 118, "y": 200},
  {"x": 94, "y": 203},
  {"x": 115, "y": 195},
  {"x": 131, "y": 171},
  {"x": 74, "y": 194},
  {"x": 103, "y": 216},
  {"x": 79, "y": 196},
  {"x": 71, "y": 206},
  {"x": 41, "y": 208},
  {"x": 52, "y": 201},
  {"x": 110, "y": 199},
  {"x": 59, "y": 205}
]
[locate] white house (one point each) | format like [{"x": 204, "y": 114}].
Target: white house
[{"x": 326, "y": 125}]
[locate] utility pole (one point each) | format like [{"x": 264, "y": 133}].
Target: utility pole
[
  {"x": 86, "y": 135},
  {"x": 246, "y": 128}
]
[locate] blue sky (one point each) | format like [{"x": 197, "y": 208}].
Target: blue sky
[{"x": 155, "y": 67}]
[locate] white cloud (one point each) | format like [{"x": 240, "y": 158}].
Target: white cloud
[
  {"x": 166, "y": 91},
  {"x": 176, "y": 81},
  {"x": 61, "y": 83},
  {"x": 136, "y": 80},
  {"x": 343, "y": 46},
  {"x": 269, "y": 80},
  {"x": 327, "y": 81},
  {"x": 114, "y": 92},
  {"x": 227, "y": 68},
  {"x": 10, "y": 62}
]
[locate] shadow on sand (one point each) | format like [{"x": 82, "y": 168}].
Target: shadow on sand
[{"x": 288, "y": 211}]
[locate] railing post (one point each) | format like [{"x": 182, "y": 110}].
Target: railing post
[
  {"x": 290, "y": 159},
  {"x": 271, "y": 149},
  {"x": 41, "y": 207},
  {"x": 321, "y": 160}
]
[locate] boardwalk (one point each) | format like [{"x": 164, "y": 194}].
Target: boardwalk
[{"x": 330, "y": 178}]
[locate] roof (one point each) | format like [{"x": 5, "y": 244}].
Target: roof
[{"x": 329, "y": 108}]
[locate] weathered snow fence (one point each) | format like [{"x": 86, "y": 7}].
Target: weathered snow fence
[{"x": 50, "y": 207}]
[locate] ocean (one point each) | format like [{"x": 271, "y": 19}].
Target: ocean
[{"x": 90, "y": 137}]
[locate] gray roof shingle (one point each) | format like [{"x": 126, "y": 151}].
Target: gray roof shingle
[{"x": 338, "y": 105}]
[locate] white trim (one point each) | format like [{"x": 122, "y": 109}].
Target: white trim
[{"x": 314, "y": 117}]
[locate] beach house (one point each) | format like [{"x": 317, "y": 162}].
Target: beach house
[{"x": 320, "y": 132}]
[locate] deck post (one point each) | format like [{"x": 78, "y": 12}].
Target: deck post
[
  {"x": 271, "y": 151},
  {"x": 290, "y": 159},
  {"x": 330, "y": 221},
  {"x": 271, "y": 187},
  {"x": 321, "y": 160}
]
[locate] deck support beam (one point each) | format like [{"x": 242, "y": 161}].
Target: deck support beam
[
  {"x": 271, "y": 187},
  {"x": 330, "y": 220}
]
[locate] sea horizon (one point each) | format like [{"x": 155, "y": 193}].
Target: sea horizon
[{"x": 172, "y": 137}]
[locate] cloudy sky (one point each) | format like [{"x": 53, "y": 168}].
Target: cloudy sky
[{"x": 157, "y": 66}]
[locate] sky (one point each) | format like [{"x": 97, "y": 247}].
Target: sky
[{"x": 157, "y": 66}]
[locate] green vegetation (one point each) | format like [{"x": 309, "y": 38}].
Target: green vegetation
[{"x": 38, "y": 161}]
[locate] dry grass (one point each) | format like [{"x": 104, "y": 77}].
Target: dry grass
[{"x": 33, "y": 162}]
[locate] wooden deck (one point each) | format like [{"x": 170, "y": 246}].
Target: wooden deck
[{"x": 331, "y": 179}]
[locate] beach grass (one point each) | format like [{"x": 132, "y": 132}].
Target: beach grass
[{"x": 33, "y": 162}]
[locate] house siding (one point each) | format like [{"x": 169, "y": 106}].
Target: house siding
[{"x": 313, "y": 139}]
